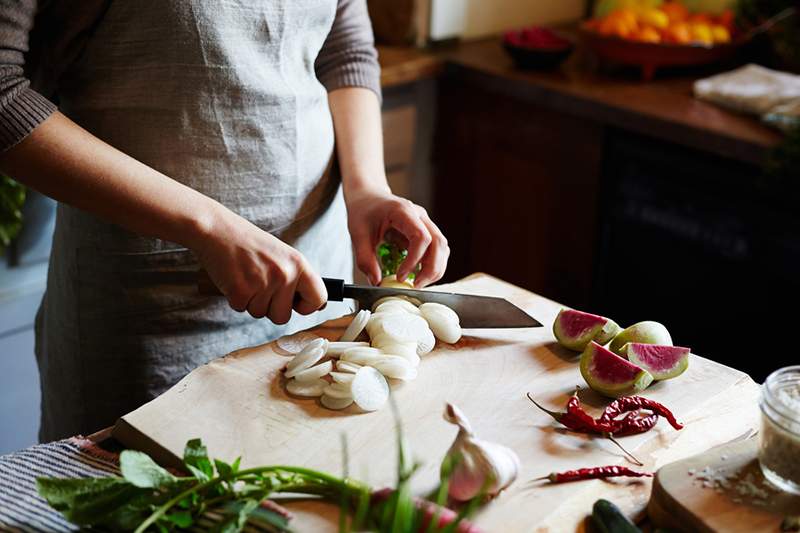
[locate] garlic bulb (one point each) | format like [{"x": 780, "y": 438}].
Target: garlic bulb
[{"x": 477, "y": 465}]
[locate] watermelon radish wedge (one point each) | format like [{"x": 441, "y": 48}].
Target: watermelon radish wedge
[
  {"x": 663, "y": 362},
  {"x": 610, "y": 374},
  {"x": 576, "y": 329}
]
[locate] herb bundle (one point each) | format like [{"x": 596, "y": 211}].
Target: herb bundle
[{"x": 149, "y": 498}]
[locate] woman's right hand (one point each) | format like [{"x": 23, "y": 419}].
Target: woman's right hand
[{"x": 257, "y": 272}]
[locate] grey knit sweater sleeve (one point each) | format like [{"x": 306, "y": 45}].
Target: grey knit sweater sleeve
[
  {"x": 21, "y": 108},
  {"x": 348, "y": 57}
]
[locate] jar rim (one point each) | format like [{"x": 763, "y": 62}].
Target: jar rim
[{"x": 774, "y": 383}]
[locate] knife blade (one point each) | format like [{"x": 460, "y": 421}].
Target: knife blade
[{"x": 473, "y": 311}]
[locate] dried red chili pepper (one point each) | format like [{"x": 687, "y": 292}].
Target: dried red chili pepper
[
  {"x": 634, "y": 424},
  {"x": 634, "y": 403},
  {"x": 575, "y": 418},
  {"x": 599, "y": 472}
]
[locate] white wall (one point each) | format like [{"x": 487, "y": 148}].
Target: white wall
[{"x": 488, "y": 17}]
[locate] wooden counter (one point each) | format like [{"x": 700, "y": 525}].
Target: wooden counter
[{"x": 663, "y": 108}]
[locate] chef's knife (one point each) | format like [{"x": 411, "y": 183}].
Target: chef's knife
[{"x": 473, "y": 311}]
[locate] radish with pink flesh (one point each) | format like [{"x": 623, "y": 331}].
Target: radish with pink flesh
[
  {"x": 647, "y": 332},
  {"x": 576, "y": 329},
  {"x": 663, "y": 362},
  {"x": 610, "y": 374}
]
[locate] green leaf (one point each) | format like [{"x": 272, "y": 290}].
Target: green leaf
[
  {"x": 223, "y": 469},
  {"x": 141, "y": 471},
  {"x": 181, "y": 518},
  {"x": 195, "y": 457},
  {"x": 268, "y": 517},
  {"x": 235, "y": 516}
]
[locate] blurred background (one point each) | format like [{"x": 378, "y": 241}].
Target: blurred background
[{"x": 632, "y": 158}]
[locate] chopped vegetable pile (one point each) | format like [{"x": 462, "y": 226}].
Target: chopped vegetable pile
[{"x": 349, "y": 371}]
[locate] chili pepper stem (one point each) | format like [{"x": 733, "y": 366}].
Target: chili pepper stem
[
  {"x": 632, "y": 457},
  {"x": 554, "y": 414}
]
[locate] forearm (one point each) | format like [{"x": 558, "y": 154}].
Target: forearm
[
  {"x": 359, "y": 140},
  {"x": 62, "y": 160}
]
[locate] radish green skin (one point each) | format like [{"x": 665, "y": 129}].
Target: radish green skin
[
  {"x": 601, "y": 332},
  {"x": 594, "y": 354},
  {"x": 647, "y": 332},
  {"x": 659, "y": 374}
]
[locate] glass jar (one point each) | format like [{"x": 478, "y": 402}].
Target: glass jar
[{"x": 779, "y": 448}]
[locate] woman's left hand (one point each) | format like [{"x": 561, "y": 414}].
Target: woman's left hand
[{"x": 371, "y": 214}]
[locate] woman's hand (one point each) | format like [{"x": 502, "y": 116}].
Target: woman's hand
[
  {"x": 257, "y": 272},
  {"x": 377, "y": 215}
]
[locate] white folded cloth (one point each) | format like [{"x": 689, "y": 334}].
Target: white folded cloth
[{"x": 771, "y": 94}]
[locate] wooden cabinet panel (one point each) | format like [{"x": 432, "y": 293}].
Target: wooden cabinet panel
[
  {"x": 516, "y": 192},
  {"x": 399, "y": 126}
]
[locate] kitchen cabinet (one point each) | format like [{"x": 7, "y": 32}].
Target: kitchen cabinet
[{"x": 627, "y": 199}]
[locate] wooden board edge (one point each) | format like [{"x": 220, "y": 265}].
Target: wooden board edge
[
  {"x": 131, "y": 437},
  {"x": 678, "y": 518}
]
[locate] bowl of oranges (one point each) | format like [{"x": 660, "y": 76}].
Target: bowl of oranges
[{"x": 653, "y": 34}]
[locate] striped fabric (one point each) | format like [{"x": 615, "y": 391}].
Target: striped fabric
[{"x": 21, "y": 508}]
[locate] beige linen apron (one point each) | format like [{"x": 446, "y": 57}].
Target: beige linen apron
[{"x": 221, "y": 96}]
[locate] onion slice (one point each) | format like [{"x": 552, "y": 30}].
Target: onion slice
[
  {"x": 369, "y": 389},
  {"x": 307, "y": 389}
]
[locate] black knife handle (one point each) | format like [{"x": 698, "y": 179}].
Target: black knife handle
[{"x": 335, "y": 288}]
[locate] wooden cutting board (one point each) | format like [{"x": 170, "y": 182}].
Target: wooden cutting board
[
  {"x": 238, "y": 406},
  {"x": 684, "y": 498}
]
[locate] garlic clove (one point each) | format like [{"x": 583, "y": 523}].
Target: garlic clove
[{"x": 478, "y": 466}]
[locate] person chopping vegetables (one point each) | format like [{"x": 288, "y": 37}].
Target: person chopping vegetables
[{"x": 240, "y": 138}]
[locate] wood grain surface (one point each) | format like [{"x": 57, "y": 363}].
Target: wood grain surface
[
  {"x": 238, "y": 406},
  {"x": 681, "y": 500}
]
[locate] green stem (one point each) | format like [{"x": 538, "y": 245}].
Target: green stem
[{"x": 325, "y": 479}]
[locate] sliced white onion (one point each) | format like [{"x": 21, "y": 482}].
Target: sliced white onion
[
  {"x": 305, "y": 359},
  {"x": 308, "y": 389},
  {"x": 338, "y": 390},
  {"x": 406, "y": 350},
  {"x": 335, "y": 349},
  {"x": 315, "y": 372},
  {"x": 369, "y": 389},
  {"x": 433, "y": 307},
  {"x": 294, "y": 344},
  {"x": 426, "y": 344},
  {"x": 343, "y": 377},
  {"x": 361, "y": 356},
  {"x": 396, "y": 367},
  {"x": 403, "y": 328},
  {"x": 408, "y": 299},
  {"x": 397, "y": 304},
  {"x": 335, "y": 403},
  {"x": 346, "y": 366},
  {"x": 356, "y": 326},
  {"x": 444, "y": 326}
]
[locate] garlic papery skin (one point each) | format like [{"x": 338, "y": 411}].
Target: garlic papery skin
[{"x": 478, "y": 466}]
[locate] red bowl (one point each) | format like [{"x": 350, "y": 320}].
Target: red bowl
[{"x": 651, "y": 56}]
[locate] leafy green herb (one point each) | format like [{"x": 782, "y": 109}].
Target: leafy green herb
[
  {"x": 12, "y": 197},
  {"x": 149, "y": 498}
]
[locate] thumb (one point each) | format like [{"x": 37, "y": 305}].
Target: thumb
[{"x": 366, "y": 258}]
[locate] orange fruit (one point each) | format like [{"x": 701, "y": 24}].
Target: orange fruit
[
  {"x": 720, "y": 34},
  {"x": 654, "y": 17},
  {"x": 676, "y": 11},
  {"x": 647, "y": 34},
  {"x": 679, "y": 33},
  {"x": 701, "y": 33}
]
